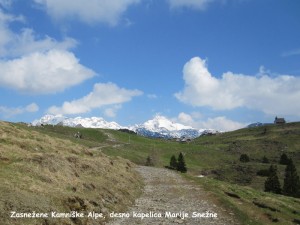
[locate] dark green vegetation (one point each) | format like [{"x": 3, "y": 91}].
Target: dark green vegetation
[
  {"x": 244, "y": 158},
  {"x": 238, "y": 185},
  {"x": 173, "y": 162},
  {"x": 291, "y": 186},
  {"x": 178, "y": 164},
  {"x": 181, "y": 167},
  {"x": 272, "y": 183}
]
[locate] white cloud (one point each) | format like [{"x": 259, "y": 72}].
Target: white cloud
[
  {"x": 14, "y": 44},
  {"x": 91, "y": 11},
  {"x": 272, "y": 95},
  {"x": 291, "y": 53},
  {"x": 5, "y": 3},
  {"x": 152, "y": 96},
  {"x": 43, "y": 73},
  {"x": 112, "y": 111},
  {"x": 10, "y": 112},
  {"x": 102, "y": 95},
  {"x": 186, "y": 119},
  {"x": 35, "y": 65},
  {"x": 6, "y": 34},
  {"x": 194, "y": 4},
  {"x": 32, "y": 108},
  {"x": 220, "y": 123},
  {"x": 26, "y": 43}
]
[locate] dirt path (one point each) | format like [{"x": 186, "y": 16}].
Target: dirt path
[
  {"x": 167, "y": 193},
  {"x": 99, "y": 148}
]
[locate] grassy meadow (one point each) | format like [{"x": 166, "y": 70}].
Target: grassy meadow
[{"x": 232, "y": 183}]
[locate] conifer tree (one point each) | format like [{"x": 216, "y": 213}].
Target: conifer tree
[
  {"x": 291, "y": 186},
  {"x": 173, "y": 162},
  {"x": 265, "y": 160},
  {"x": 272, "y": 183},
  {"x": 284, "y": 160},
  {"x": 181, "y": 164}
]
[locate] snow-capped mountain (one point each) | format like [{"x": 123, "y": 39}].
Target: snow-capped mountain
[
  {"x": 159, "y": 123},
  {"x": 161, "y": 127},
  {"x": 158, "y": 127},
  {"x": 93, "y": 122}
]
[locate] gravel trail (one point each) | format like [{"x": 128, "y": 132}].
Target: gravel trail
[{"x": 167, "y": 193}]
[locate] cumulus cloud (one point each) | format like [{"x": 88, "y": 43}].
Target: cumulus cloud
[
  {"x": 194, "y": 4},
  {"x": 10, "y": 112},
  {"x": 26, "y": 42},
  {"x": 103, "y": 94},
  {"x": 37, "y": 65},
  {"x": 91, "y": 11},
  {"x": 220, "y": 123},
  {"x": 186, "y": 119},
  {"x": 112, "y": 111},
  {"x": 13, "y": 44},
  {"x": 43, "y": 73},
  {"x": 272, "y": 95},
  {"x": 6, "y": 33}
]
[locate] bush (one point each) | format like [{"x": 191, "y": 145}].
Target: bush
[
  {"x": 149, "y": 161},
  {"x": 153, "y": 159},
  {"x": 263, "y": 173},
  {"x": 244, "y": 158},
  {"x": 265, "y": 160}
]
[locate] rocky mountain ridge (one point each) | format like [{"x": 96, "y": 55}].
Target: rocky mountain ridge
[{"x": 158, "y": 127}]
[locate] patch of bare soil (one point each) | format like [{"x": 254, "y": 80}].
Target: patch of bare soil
[{"x": 169, "y": 198}]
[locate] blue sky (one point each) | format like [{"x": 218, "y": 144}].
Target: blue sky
[{"x": 205, "y": 63}]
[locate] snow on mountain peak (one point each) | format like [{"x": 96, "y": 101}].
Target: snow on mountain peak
[
  {"x": 162, "y": 127},
  {"x": 159, "y": 126},
  {"x": 93, "y": 122},
  {"x": 160, "y": 122},
  {"x": 49, "y": 119}
]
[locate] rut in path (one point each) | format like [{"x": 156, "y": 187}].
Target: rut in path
[{"x": 168, "y": 192}]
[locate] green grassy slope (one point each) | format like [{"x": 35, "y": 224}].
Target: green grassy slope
[
  {"x": 215, "y": 157},
  {"x": 270, "y": 141},
  {"x": 237, "y": 185}
]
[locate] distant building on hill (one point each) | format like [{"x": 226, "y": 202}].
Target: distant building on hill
[{"x": 279, "y": 120}]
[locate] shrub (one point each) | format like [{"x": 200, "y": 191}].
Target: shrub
[
  {"x": 265, "y": 160},
  {"x": 244, "y": 158},
  {"x": 149, "y": 161},
  {"x": 263, "y": 173}
]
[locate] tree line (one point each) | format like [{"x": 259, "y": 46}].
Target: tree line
[
  {"x": 291, "y": 183},
  {"x": 178, "y": 164}
]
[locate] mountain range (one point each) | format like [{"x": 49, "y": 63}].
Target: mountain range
[{"x": 158, "y": 127}]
